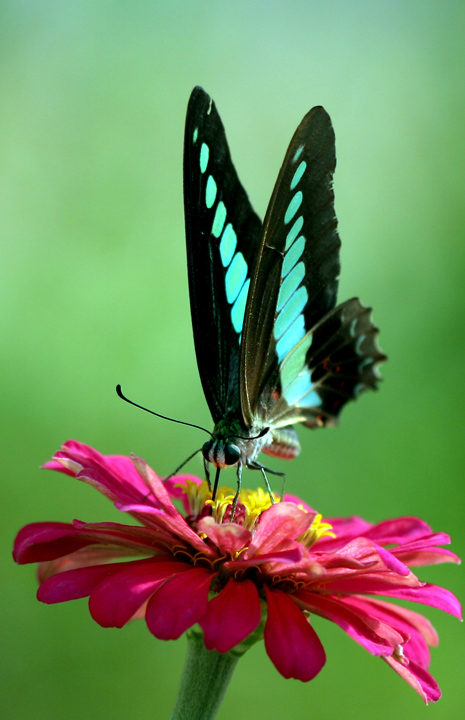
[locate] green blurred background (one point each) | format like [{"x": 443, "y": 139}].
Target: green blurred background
[{"x": 94, "y": 292}]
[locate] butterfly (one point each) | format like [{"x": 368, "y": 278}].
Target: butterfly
[{"x": 272, "y": 348}]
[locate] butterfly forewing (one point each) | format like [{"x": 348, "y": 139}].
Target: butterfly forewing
[
  {"x": 222, "y": 233},
  {"x": 295, "y": 277}
]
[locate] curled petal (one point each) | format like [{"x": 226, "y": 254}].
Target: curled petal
[
  {"x": 46, "y": 541},
  {"x": 392, "y": 562},
  {"x": 179, "y": 603},
  {"x": 399, "y": 530},
  {"x": 231, "y": 616},
  {"x": 419, "y": 630},
  {"x": 417, "y": 677},
  {"x": 115, "y": 475},
  {"x": 59, "y": 467},
  {"x": 291, "y": 642},
  {"x": 368, "y": 630},
  {"x": 228, "y": 537}
]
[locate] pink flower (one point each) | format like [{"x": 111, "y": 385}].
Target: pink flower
[{"x": 277, "y": 562}]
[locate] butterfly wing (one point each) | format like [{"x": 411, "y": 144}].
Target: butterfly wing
[
  {"x": 222, "y": 235},
  {"x": 336, "y": 361},
  {"x": 302, "y": 359}
]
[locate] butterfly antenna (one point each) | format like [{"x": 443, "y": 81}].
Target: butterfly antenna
[{"x": 163, "y": 417}]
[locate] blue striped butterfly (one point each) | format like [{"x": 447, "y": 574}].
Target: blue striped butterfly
[{"x": 272, "y": 349}]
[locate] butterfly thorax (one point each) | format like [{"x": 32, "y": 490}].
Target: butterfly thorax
[{"x": 232, "y": 444}]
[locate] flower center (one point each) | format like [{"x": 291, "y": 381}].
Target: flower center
[{"x": 250, "y": 505}]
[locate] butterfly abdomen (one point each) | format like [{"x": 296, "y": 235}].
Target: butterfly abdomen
[{"x": 283, "y": 444}]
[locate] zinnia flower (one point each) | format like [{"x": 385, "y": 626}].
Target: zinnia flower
[{"x": 263, "y": 575}]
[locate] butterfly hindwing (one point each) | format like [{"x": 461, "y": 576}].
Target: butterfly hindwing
[
  {"x": 341, "y": 360},
  {"x": 222, "y": 233}
]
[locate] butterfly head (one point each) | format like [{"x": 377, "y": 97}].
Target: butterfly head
[{"x": 221, "y": 452}]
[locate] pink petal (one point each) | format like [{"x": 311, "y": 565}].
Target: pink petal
[
  {"x": 435, "y": 556},
  {"x": 283, "y": 562},
  {"x": 398, "y": 531},
  {"x": 59, "y": 467},
  {"x": 46, "y": 541},
  {"x": 391, "y": 562},
  {"x": 179, "y": 603},
  {"x": 427, "y": 594},
  {"x": 228, "y": 537},
  {"x": 74, "y": 584},
  {"x": 290, "y": 641},
  {"x": 158, "y": 490},
  {"x": 369, "y": 631},
  {"x": 337, "y": 565},
  {"x": 116, "y": 599},
  {"x": 117, "y": 477},
  {"x": 139, "y": 539},
  {"x": 51, "y": 540},
  {"x": 279, "y": 524},
  {"x": 176, "y": 525},
  {"x": 367, "y": 552},
  {"x": 297, "y": 501},
  {"x": 86, "y": 557},
  {"x": 231, "y": 616},
  {"x": 345, "y": 529},
  {"x": 420, "y": 631},
  {"x": 418, "y": 678},
  {"x": 113, "y": 488}
]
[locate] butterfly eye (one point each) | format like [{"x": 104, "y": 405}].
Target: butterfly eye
[
  {"x": 206, "y": 447},
  {"x": 231, "y": 454}
]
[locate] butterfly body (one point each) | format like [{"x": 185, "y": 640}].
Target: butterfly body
[{"x": 272, "y": 347}]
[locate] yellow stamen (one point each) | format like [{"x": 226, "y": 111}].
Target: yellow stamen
[
  {"x": 316, "y": 531},
  {"x": 197, "y": 495},
  {"x": 251, "y": 503}
]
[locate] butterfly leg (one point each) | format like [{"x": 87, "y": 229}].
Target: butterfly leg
[
  {"x": 267, "y": 485},
  {"x": 254, "y": 465}
]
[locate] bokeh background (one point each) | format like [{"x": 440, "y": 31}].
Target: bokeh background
[{"x": 94, "y": 292}]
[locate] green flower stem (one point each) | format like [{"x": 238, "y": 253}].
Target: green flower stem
[{"x": 204, "y": 681}]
